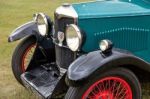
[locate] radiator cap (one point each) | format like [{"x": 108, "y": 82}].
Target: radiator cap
[{"x": 66, "y": 5}]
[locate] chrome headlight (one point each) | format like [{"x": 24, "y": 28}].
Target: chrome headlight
[
  {"x": 42, "y": 23},
  {"x": 106, "y": 46},
  {"x": 73, "y": 37}
]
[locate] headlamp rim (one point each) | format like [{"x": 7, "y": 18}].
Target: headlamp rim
[
  {"x": 109, "y": 45},
  {"x": 35, "y": 18},
  {"x": 79, "y": 34},
  {"x": 106, "y": 45}
]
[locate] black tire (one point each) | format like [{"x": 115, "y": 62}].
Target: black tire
[
  {"x": 18, "y": 57},
  {"x": 125, "y": 74}
]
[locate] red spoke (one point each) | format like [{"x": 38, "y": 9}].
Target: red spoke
[
  {"x": 114, "y": 84},
  {"x": 109, "y": 88},
  {"x": 117, "y": 89},
  {"x": 109, "y": 85},
  {"x": 103, "y": 86},
  {"x": 27, "y": 57},
  {"x": 93, "y": 93},
  {"x": 121, "y": 91},
  {"x": 90, "y": 97},
  {"x": 100, "y": 88},
  {"x": 124, "y": 96}
]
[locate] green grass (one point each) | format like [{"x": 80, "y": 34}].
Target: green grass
[{"x": 12, "y": 14}]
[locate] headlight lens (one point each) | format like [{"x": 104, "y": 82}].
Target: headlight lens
[
  {"x": 42, "y": 23},
  {"x": 73, "y": 37},
  {"x": 106, "y": 46}
]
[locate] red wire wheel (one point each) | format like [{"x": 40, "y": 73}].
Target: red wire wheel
[
  {"x": 22, "y": 56},
  {"x": 109, "y": 88},
  {"x": 27, "y": 57},
  {"x": 116, "y": 83}
]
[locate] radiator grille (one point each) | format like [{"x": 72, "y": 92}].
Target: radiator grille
[{"x": 64, "y": 56}]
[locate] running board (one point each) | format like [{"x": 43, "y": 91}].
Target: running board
[{"x": 41, "y": 80}]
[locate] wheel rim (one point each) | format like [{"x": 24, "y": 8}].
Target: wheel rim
[
  {"x": 109, "y": 88},
  {"x": 27, "y": 57}
]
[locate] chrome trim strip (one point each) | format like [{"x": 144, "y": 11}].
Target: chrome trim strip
[{"x": 66, "y": 11}]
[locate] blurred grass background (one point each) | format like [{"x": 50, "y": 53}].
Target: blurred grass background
[{"x": 12, "y": 14}]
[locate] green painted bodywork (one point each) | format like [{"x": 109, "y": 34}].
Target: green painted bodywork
[{"x": 126, "y": 24}]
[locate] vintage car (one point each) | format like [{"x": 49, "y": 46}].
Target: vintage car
[{"x": 92, "y": 50}]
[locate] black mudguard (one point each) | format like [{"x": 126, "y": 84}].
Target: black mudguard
[
  {"x": 86, "y": 65},
  {"x": 45, "y": 47},
  {"x": 24, "y": 30}
]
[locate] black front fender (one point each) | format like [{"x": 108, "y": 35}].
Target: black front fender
[
  {"x": 86, "y": 65},
  {"x": 23, "y": 31}
]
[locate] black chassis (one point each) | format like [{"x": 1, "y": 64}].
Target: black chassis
[{"x": 80, "y": 71}]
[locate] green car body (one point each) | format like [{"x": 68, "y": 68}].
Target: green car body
[{"x": 126, "y": 24}]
